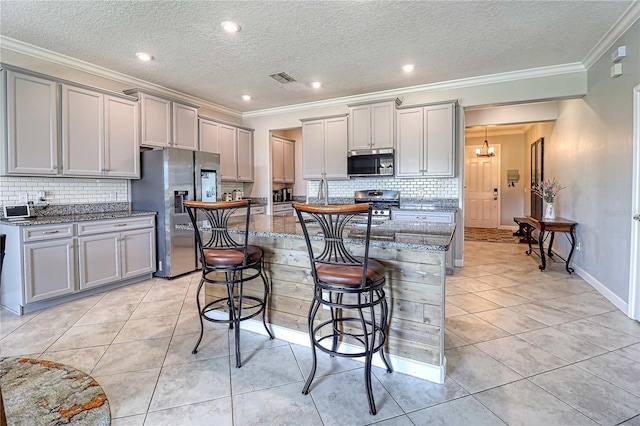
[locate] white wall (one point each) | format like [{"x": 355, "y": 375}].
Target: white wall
[{"x": 590, "y": 152}]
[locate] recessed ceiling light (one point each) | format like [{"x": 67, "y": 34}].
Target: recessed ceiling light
[
  {"x": 230, "y": 26},
  {"x": 316, "y": 85},
  {"x": 246, "y": 97},
  {"x": 408, "y": 67},
  {"x": 144, "y": 56}
]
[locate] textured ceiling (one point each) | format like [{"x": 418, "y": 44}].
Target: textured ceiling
[{"x": 352, "y": 47}]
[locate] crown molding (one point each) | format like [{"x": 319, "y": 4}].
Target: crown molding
[
  {"x": 431, "y": 87},
  {"x": 621, "y": 26},
  {"x": 77, "y": 64}
]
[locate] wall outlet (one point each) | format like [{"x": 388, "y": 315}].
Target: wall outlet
[
  {"x": 24, "y": 198},
  {"x": 325, "y": 296},
  {"x": 579, "y": 246}
]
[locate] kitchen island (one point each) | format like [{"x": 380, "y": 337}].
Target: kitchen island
[{"x": 413, "y": 254}]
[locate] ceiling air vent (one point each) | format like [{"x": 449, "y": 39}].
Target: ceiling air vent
[{"x": 282, "y": 77}]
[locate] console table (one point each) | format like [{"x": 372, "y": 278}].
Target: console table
[{"x": 551, "y": 226}]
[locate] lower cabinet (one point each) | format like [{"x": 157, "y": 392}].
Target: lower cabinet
[
  {"x": 45, "y": 262},
  {"x": 49, "y": 268},
  {"x": 107, "y": 256},
  {"x": 438, "y": 217}
]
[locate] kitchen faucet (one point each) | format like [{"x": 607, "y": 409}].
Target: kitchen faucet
[{"x": 323, "y": 190}]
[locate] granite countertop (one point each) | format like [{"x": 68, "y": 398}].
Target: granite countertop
[
  {"x": 391, "y": 233},
  {"x": 76, "y": 217}
]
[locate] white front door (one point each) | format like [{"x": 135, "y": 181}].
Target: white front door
[{"x": 481, "y": 194}]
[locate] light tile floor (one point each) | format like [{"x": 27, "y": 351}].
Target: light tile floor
[{"x": 523, "y": 347}]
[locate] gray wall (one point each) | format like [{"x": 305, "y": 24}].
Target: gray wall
[{"x": 589, "y": 150}]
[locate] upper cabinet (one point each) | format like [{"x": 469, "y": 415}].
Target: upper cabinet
[
  {"x": 165, "y": 122},
  {"x": 324, "y": 147},
  {"x": 372, "y": 126},
  {"x": 99, "y": 134},
  {"x": 98, "y": 129},
  {"x": 30, "y": 107},
  {"x": 233, "y": 143},
  {"x": 283, "y": 159},
  {"x": 209, "y": 135},
  {"x": 426, "y": 141}
]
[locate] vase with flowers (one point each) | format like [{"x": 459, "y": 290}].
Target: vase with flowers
[{"x": 548, "y": 190}]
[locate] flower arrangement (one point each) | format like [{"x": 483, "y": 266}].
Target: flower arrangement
[{"x": 548, "y": 189}]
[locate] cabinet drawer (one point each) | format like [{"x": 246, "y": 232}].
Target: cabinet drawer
[
  {"x": 47, "y": 232},
  {"x": 439, "y": 217},
  {"x": 111, "y": 225}
]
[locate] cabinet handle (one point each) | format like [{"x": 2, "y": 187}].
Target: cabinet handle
[
  {"x": 118, "y": 225},
  {"x": 49, "y": 232}
]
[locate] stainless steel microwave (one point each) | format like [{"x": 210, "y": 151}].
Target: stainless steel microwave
[{"x": 370, "y": 162}]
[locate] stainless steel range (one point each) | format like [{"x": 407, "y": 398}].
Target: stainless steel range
[{"x": 383, "y": 201}]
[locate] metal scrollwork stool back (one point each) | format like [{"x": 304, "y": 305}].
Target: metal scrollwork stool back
[
  {"x": 229, "y": 263},
  {"x": 350, "y": 287}
]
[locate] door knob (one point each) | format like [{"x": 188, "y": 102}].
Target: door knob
[
  {"x": 636, "y": 217},
  {"x": 495, "y": 193}
]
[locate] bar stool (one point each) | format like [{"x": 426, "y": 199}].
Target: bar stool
[
  {"x": 352, "y": 287},
  {"x": 220, "y": 254}
]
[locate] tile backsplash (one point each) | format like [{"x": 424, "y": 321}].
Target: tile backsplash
[
  {"x": 409, "y": 188},
  {"x": 63, "y": 190}
]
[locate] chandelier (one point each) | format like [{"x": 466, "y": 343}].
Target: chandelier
[{"x": 486, "y": 150}]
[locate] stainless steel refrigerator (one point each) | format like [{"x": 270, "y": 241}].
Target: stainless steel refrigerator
[{"x": 169, "y": 177}]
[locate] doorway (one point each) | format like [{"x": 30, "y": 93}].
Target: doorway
[{"x": 482, "y": 186}]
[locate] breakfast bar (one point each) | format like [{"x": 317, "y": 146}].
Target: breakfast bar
[{"x": 413, "y": 254}]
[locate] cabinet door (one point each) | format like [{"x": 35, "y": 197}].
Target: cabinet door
[
  {"x": 439, "y": 141},
  {"x": 99, "y": 260},
  {"x": 382, "y": 125},
  {"x": 410, "y": 141},
  {"x": 122, "y": 150},
  {"x": 313, "y": 149},
  {"x": 138, "y": 254},
  {"x": 156, "y": 121},
  {"x": 32, "y": 129},
  {"x": 289, "y": 156},
  {"x": 209, "y": 136},
  {"x": 185, "y": 127},
  {"x": 277, "y": 159},
  {"x": 49, "y": 269},
  {"x": 360, "y": 127},
  {"x": 82, "y": 132},
  {"x": 335, "y": 139},
  {"x": 245, "y": 155},
  {"x": 228, "y": 153}
]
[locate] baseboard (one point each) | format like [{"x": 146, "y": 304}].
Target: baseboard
[
  {"x": 508, "y": 227},
  {"x": 430, "y": 372},
  {"x": 602, "y": 289}
]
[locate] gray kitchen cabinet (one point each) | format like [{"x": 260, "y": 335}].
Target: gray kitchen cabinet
[
  {"x": 324, "y": 148},
  {"x": 155, "y": 121},
  {"x": 122, "y": 148},
  {"x": 165, "y": 122},
  {"x": 185, "y": 126},
  {"x": 236, "y": 153},
  {"x": 50, "y": 264},
  {"x": 99, "y": 134},
  {"x": 209, "y": 135},
  {"x": 425, "y": 141},
  {"x": 289, "y": 159},
  {"x": 283, "y": 160},
  {"x": 228, "y": 153},
  {"x": 438, "y": 217},
  {"x": 114, "y": 250},
  {"x": 49, "y": 258},
  {"x": 245, "y": 155},
  {"x": 29, "y": 115},
  {"x": 372, "y": 126}
]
